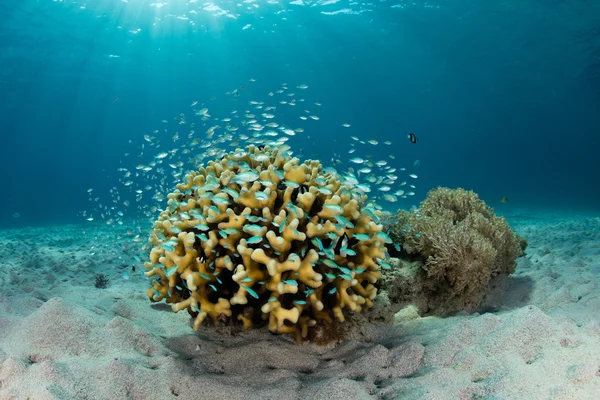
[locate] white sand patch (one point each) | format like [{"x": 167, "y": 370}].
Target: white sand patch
[{"x": 63, "y": 338}]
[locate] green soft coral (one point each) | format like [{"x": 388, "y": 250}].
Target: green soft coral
[{"x": 462, "y": 244}]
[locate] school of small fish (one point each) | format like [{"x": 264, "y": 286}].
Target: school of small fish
[{"x": 189, "y": 140}]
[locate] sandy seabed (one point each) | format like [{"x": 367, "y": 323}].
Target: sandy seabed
[{"x": 537, "y": 336}]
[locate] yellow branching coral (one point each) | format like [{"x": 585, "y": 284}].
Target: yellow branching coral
[{"x": 258, "y": 236}]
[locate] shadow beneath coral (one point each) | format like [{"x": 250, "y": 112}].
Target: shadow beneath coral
[
  {"x": 508, "y": 293},
  {"x": 161, "y": 307}
]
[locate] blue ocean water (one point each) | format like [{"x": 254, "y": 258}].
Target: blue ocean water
[{"x": 503, "y": 96}]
